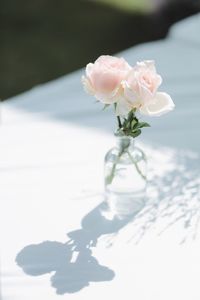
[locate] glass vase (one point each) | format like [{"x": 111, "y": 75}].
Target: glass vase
[{"x": 125, "y": 178}]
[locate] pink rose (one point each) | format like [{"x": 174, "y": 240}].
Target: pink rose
[
  {"x": 140, "y": 91},
  {"x": 103, "y": 78}
]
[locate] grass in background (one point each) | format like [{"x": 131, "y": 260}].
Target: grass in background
[
  {"x": 45, "y": 39},
  {"x": 130, "y": 5},
  {"x": 41, "y": 41}
]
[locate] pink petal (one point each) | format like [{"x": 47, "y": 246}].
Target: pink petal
[
  {"x": 88, "y": 69},
  {"x": 87, "y": 85},
  {"x": 161, "y": 104},
  {"x": 123, "y": 107}
]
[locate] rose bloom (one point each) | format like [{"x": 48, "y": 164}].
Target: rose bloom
[
  {"x": 103, "y": 78},
  {"x": 140, "y": 92}
]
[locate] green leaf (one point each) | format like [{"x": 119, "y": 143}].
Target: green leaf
[
  {"x": 136, "y": 133},
  {"x": 128, "y": 124},
  {"x": 130, "y": 115},
  {"x": 134, "y": 110},
  {"x": 143, "y": 124},
  {"x": 133, "y": 123}
]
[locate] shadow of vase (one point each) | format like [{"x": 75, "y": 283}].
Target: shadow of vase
[
  {"x": 72, "y": 263},
  {"x": 174, "y": 199}
]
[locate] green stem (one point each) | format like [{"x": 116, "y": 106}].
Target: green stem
[
  {"x": 136, "y": 166},
  {"x": 109, "y": 178},
  {"x": 119, "y": 122},
  {"x": 123, "y": 147}
]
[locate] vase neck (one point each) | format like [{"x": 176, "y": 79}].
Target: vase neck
[{"x": 125, "y": 142}]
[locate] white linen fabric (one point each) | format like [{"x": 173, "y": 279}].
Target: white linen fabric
[{"x": 54, "y": 241}]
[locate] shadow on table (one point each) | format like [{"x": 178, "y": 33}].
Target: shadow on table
[
  {"x": 173, "y": 202},
  {"x": 72, "y": 262},
  {"x": 173, "y": 199}
]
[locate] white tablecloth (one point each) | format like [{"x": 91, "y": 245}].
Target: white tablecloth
[{"x": 54, "y": 241}]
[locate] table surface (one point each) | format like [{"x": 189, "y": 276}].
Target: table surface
[{"x": 54, "y": 241}]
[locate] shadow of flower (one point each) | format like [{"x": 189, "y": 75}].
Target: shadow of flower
[
  {"x": 72, "y": 263},
  {"x": 173, "y": 198}
]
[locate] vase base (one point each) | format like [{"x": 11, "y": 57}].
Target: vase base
[{"x": 124, "y": 204}]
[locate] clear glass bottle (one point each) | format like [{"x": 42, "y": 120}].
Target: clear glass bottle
[{"x": 125, "y": 178}]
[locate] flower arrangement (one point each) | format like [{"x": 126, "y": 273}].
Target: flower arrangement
[{"x": 111, "y": 80}]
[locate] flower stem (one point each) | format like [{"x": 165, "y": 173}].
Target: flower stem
[
  {"x": 119, "y": 122},
  {"x": 136, "y": 166},
  {"x": 109, "y": 179}
]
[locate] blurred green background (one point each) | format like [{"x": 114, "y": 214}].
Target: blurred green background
[
  {"x": 138, "y": 5},
  {"x": 43, "y": 39}
]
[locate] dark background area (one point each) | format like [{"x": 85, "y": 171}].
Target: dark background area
[{"x": 43, "y": 39}]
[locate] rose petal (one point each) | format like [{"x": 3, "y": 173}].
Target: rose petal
[
  {"x": 123, "y": 107},
  {"x": 87, "y": 85},
  {"x": 107, "y": 98},
  {"x": 145, "y": 93},
  {"x": 129, "y": 93},
  {"x": 105, "y": 82},
  {"x": 147, "y": 64},
  {"x": 161, "y": 104},
  {"x": 88, "y": 69},
  {"x": 104, "y": 98}
]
